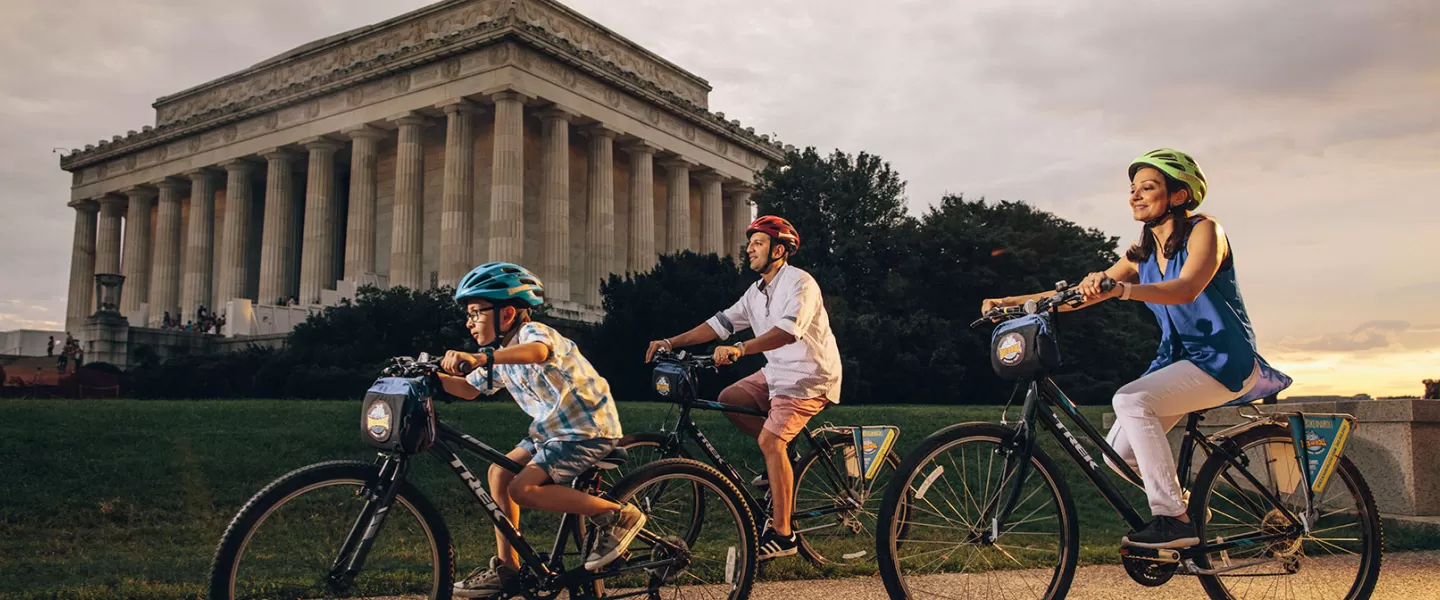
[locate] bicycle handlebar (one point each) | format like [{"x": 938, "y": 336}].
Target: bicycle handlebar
[
  {"x": 701, "y": 361},
  {"x": 1065, "y": 294}
]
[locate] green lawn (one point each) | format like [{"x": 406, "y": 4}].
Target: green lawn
[{"x": 107, "y": 499}]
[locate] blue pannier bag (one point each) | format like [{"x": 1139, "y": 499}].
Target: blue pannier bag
[{"x": 399, "y": 415}]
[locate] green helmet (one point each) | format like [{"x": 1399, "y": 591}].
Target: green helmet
[{"x": 1177, "y": 165}]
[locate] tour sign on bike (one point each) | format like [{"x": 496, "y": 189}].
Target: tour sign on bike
[
  {"x": 346, "y": 529},
  {"x": 1275, "y": 509}
]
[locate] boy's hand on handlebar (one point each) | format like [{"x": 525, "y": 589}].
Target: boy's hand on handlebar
[
  {"x": 725, "y": 355},
  {"x": 991, "y": 304},
  {"x": 459, "y": 363},
  {"x": 657, "y": 345}
]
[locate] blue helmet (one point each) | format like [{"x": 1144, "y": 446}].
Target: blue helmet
[{"x": 501, "y": 283}]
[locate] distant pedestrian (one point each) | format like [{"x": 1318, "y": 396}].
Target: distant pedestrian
[{"x": 50, "y": 347}]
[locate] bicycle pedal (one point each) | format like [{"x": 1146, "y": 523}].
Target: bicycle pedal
[{"x": 1161, "y": 555}]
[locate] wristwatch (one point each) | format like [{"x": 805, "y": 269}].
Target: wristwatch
[
  {"x": 741, "y": 346},
  {"x": 1124, "y": 290}
]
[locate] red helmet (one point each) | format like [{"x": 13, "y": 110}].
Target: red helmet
[{"x": 778, "y": 229}]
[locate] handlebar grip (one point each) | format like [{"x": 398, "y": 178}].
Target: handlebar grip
[{"x": 1107, "y": 284}]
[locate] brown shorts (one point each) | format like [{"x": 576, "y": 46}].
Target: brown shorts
[{"x": 787, "y": 416}]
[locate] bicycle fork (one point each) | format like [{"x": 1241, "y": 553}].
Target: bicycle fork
[
  {"x": 1015, "y": 472},
  {"x": 380, "y": 495}
]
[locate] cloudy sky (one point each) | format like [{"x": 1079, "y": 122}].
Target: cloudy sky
[{"x": 1317, "y": 123}]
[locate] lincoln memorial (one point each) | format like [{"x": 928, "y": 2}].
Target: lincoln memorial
[{"x": 403, "y": 154}]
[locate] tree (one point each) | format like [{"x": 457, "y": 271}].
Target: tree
[
  {"x": 967, "y": 251},
  {"x": 682, "y": 290},
  {"x": 850, "y": 211}
]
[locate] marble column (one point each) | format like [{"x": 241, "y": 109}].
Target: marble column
[
  {"x": 82, "y": 266},
  {"x": 600, "y": 212},
  {"x": 235, "y": 243},
  {"x": 640, "y": 256},
  {"x": 360, "y": 220},
  {"x": 195, "y": 285},
  {"x": 107, "y": 238},
  {"x": 135, "y": 263},
  {"x": 457, "y": 230},
  {"x": 317, "y": 250},
  {"x": 740, "y": 196},
  {"x": 677, "y": 214},
  {"x": 165, "y": 272},
  {"x": 408, "y": 221},
  {"x": 712, "y": 211},
  {"x": 555, "y": 203},
  {"x": 277, "y": 237},
  {"x": 507, "y": 179}
]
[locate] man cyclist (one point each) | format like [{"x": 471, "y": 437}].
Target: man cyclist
[{"x": 802, "y": 373}]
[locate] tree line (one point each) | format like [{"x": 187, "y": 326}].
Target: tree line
[{"x": 900, "y": 289}]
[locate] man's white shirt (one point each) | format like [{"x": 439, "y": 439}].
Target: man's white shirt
[{"x": 809, "y": 367}]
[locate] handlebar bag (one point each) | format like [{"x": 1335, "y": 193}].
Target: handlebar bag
[
  {"x": 1023, "y": 347},
  {"x": 673, "y": 383},
  {"x": 399, "y": 415}
]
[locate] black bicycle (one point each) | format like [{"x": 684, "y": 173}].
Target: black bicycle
[
  {"x": 348, "y": 529},
  {"x": 989, "y": 509},
  {"x": 837, "y": 487}
]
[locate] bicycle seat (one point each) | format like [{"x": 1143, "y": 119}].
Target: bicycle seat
[{"x": 614, "y": 460}]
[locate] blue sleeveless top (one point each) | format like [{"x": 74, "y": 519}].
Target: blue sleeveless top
[{"x": 1213, "y": 332}]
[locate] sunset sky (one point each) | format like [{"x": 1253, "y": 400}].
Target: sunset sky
[{"x": 1317, "y": 123}]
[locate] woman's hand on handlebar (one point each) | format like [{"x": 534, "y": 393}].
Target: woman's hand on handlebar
[
  {"x": 1098, "y": 287},
  {"x": 655, "y": 346},
  {"x": 459, "y": 363}
]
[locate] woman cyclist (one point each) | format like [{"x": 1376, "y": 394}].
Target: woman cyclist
[{"x": 1182, "y": 268}]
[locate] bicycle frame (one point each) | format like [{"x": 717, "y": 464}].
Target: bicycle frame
[
  {"x": 550, "y": 571},
  {"x": 687, "y": 428},
  {"x": 1043, "y": 398}
]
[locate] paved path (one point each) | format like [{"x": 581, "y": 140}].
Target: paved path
[{"x": 1405, "y": 576}]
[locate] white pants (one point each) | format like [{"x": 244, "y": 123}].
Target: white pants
[{"x": 1147, "y": 408}]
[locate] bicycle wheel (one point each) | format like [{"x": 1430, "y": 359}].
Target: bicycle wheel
[
  {"x": 846, "y": 505},
  {"x": 942, "y": 550},
  {"x": 720, "y": 563},
  {"x": 283, "y": 542},
  {"x": 1338, "y": 559},
  {"x": 644, "y": 449}
]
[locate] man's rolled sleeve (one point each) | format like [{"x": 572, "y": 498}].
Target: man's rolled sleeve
[
  {"x": 729, "y": 321},
  {"x": 799, "y": 308}
]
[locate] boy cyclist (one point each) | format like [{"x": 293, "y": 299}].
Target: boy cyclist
[{"x": 575, "y": 423}]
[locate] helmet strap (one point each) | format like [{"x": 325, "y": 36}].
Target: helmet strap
[{"x": 769, "y": 257}]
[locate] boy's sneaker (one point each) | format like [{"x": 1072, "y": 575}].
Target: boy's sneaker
[
  {"x": 774, "y": 545},
  {"x": 485, "y": 582},
  {"x": 618, "y": 529},
  {"x": 761, "y": 481},
  {"x": 1164, "y": 532}
]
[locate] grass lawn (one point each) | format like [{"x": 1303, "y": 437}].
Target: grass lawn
[{"x": 114, "y": 499}]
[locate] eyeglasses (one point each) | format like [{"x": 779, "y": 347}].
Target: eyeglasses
[{"x": 473, "y": 317}]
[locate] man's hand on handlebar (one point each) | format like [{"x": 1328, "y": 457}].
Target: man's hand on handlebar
[
  {"x": 657, "y": 345},
  {"x": 725, "y": 355},
  {"x": 459, "y": 363}
]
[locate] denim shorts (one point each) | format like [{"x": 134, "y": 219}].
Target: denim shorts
[{"x": 564, "y": 460}]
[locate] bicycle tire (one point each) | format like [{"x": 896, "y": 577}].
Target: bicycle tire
[
  {"x": 886, "y": 547},
  {"x": 1346, "y": 475},
  {"x": 707, "y": 476},
  {"x": 229, "y": 553},
  {"x": 809, "y": 550}
]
